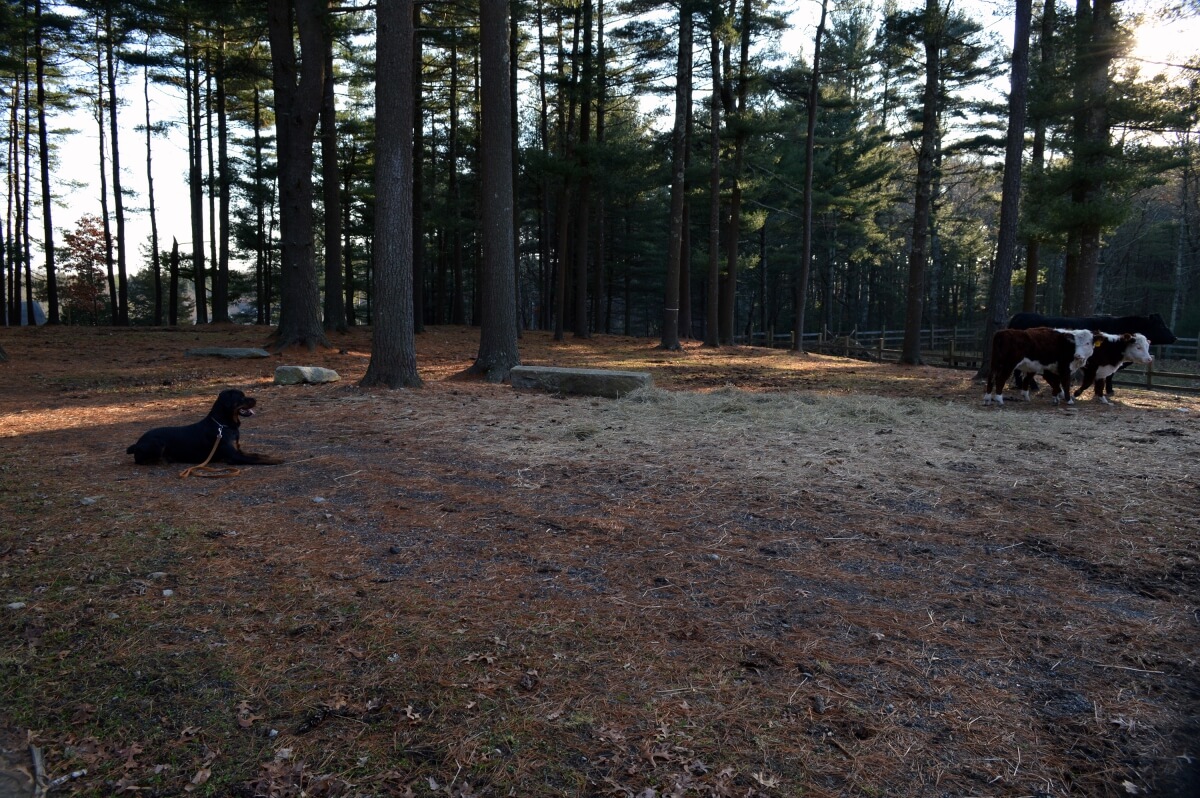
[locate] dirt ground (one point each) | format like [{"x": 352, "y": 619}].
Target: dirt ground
[{"x": 770, "y": 575}]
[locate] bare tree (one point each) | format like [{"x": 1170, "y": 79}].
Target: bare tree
[
  {"x": 44, "y": 155},
  {"x": 1006, "y": 247},
  {"x": 934, "y": 22},
  {"x": 810, "y": 138},
  {"x": 393, "y": 346},
  {"x": 712, "y": 311},
  {"x": 1095, "y": 43},
  {"x": 683, "y": 82},
  {"x": 298, "y": 84},
  {"x": 498, "y": 329},
  {"x": 331, "y": 190}
]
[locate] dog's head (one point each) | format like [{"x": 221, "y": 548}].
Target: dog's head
[{"x": 231, "y": 406}]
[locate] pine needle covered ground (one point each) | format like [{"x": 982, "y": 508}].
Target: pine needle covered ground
[{"x": 770, "y": 575}]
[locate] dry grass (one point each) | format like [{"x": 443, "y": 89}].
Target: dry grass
[{"x": 770, "y": 575}]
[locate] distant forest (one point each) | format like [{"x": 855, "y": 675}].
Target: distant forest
[{"x": 676, "y": 171}]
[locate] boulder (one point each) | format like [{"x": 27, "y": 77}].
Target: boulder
[
  {"x": 227, "y": 351},
  {"x": 588, "y": 382},
  {"x": 296, "y": 375}
]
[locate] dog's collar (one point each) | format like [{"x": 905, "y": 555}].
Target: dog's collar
[{"x": 220, "y": 427}]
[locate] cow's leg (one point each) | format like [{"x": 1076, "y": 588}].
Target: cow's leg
[
  {"x": 1086, "y": 381},
  {"x": 1059, "y": 387},
  {"x": 1027, "y": 383},
  {"x": 996, "y": 379}
]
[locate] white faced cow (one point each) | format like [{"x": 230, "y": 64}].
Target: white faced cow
[
  {"x": 1111, "y": 353},
  {"x": 1053, "y": 353}
]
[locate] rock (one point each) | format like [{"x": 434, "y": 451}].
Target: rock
[
  {"x": 296, "y": 375},
  {"x": 589, "y": 382},
  {"x": 234, "y": 353}
]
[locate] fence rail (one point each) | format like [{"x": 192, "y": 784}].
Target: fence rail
[{"x": 961, "y": 349}]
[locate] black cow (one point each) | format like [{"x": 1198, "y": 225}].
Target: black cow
[{"x": 1152, "y": 326}]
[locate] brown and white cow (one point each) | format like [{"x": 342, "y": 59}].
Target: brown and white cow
[
  {"x": 1111, "y": 353},
  {"x": 1053, "y": 353}
]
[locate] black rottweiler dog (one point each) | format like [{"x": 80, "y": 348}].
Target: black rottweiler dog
[{"x": 195, "y": 442}]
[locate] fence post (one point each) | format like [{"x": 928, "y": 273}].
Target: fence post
[{"x": 882, "y": 335}]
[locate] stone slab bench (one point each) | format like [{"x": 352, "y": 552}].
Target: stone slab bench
[
  {"x": 226, "y": 351},
  {"x": 588, "y": 382}
]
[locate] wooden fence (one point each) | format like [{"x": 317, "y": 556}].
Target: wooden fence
[{"x": 961, "y": 349}]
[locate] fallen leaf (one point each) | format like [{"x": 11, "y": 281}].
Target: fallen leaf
[
  {"x": 202, "y": 775},
  {"x": 766, "y": 779}
]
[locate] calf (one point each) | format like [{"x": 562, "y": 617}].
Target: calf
[
  {"x": 1112, "y": 353},
  {"x": 1152, "y": 326},
  {"x": 1054, "y": 353}
]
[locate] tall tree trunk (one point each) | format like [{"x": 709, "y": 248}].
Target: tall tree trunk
[
  {"x": 566, "y": 149},
  {"x": 597, "y": 276},
  {"x": 733, "y": 240},
  {"x": 515, "y": 26},
  {"x": 686, "y": 316},
  {"x": 298, "y": 97},
  {"x": 155, "y": 255},
  {"x": 6, "y": 305},
  {"x": 27, "y": 164},
  {"x": 44, "y": 157},
  {"x": 712, "y": 302},
  {"x": 498, "y": 329},
  {"x": 12, "y": 300},
  {"x": 220, "y": 303},
  {"x": 262, "y": 295},
  {"x": 393, "y": 349},
  {"x": 173, "y": 285},
  {"x": 1095, "y": 47},
  {"x": 1006, "y": 247},
  {"x": 210, "y": 175},
  {"x": 350, "y": 178},
  {"x": 5, "y": 302},
  {"x": 1182, "y": 245},
  {"x": 546, "y": 280},
  {"x": 1037, "y": 156},
  {"x": 918, "y": 254},
  {"x": 113, "y": 297},
  {"x": 335, "y": 306},
  {"x": 583, "y": 216},
  {"x": 195, "y": 174},
  {"x": 122, "y": 309},
  {"x": 418, "y": 203},
  {"x": 810, "y": 138},
  {"x": 457, "y": 298},
  {"x": 683, "y": 96}
]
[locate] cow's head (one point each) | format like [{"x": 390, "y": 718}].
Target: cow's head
[
  {"x": 1158, "y": 332},
  {"x": 1136, "y": 348},
  {"x": 1085, "y": 343}
]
